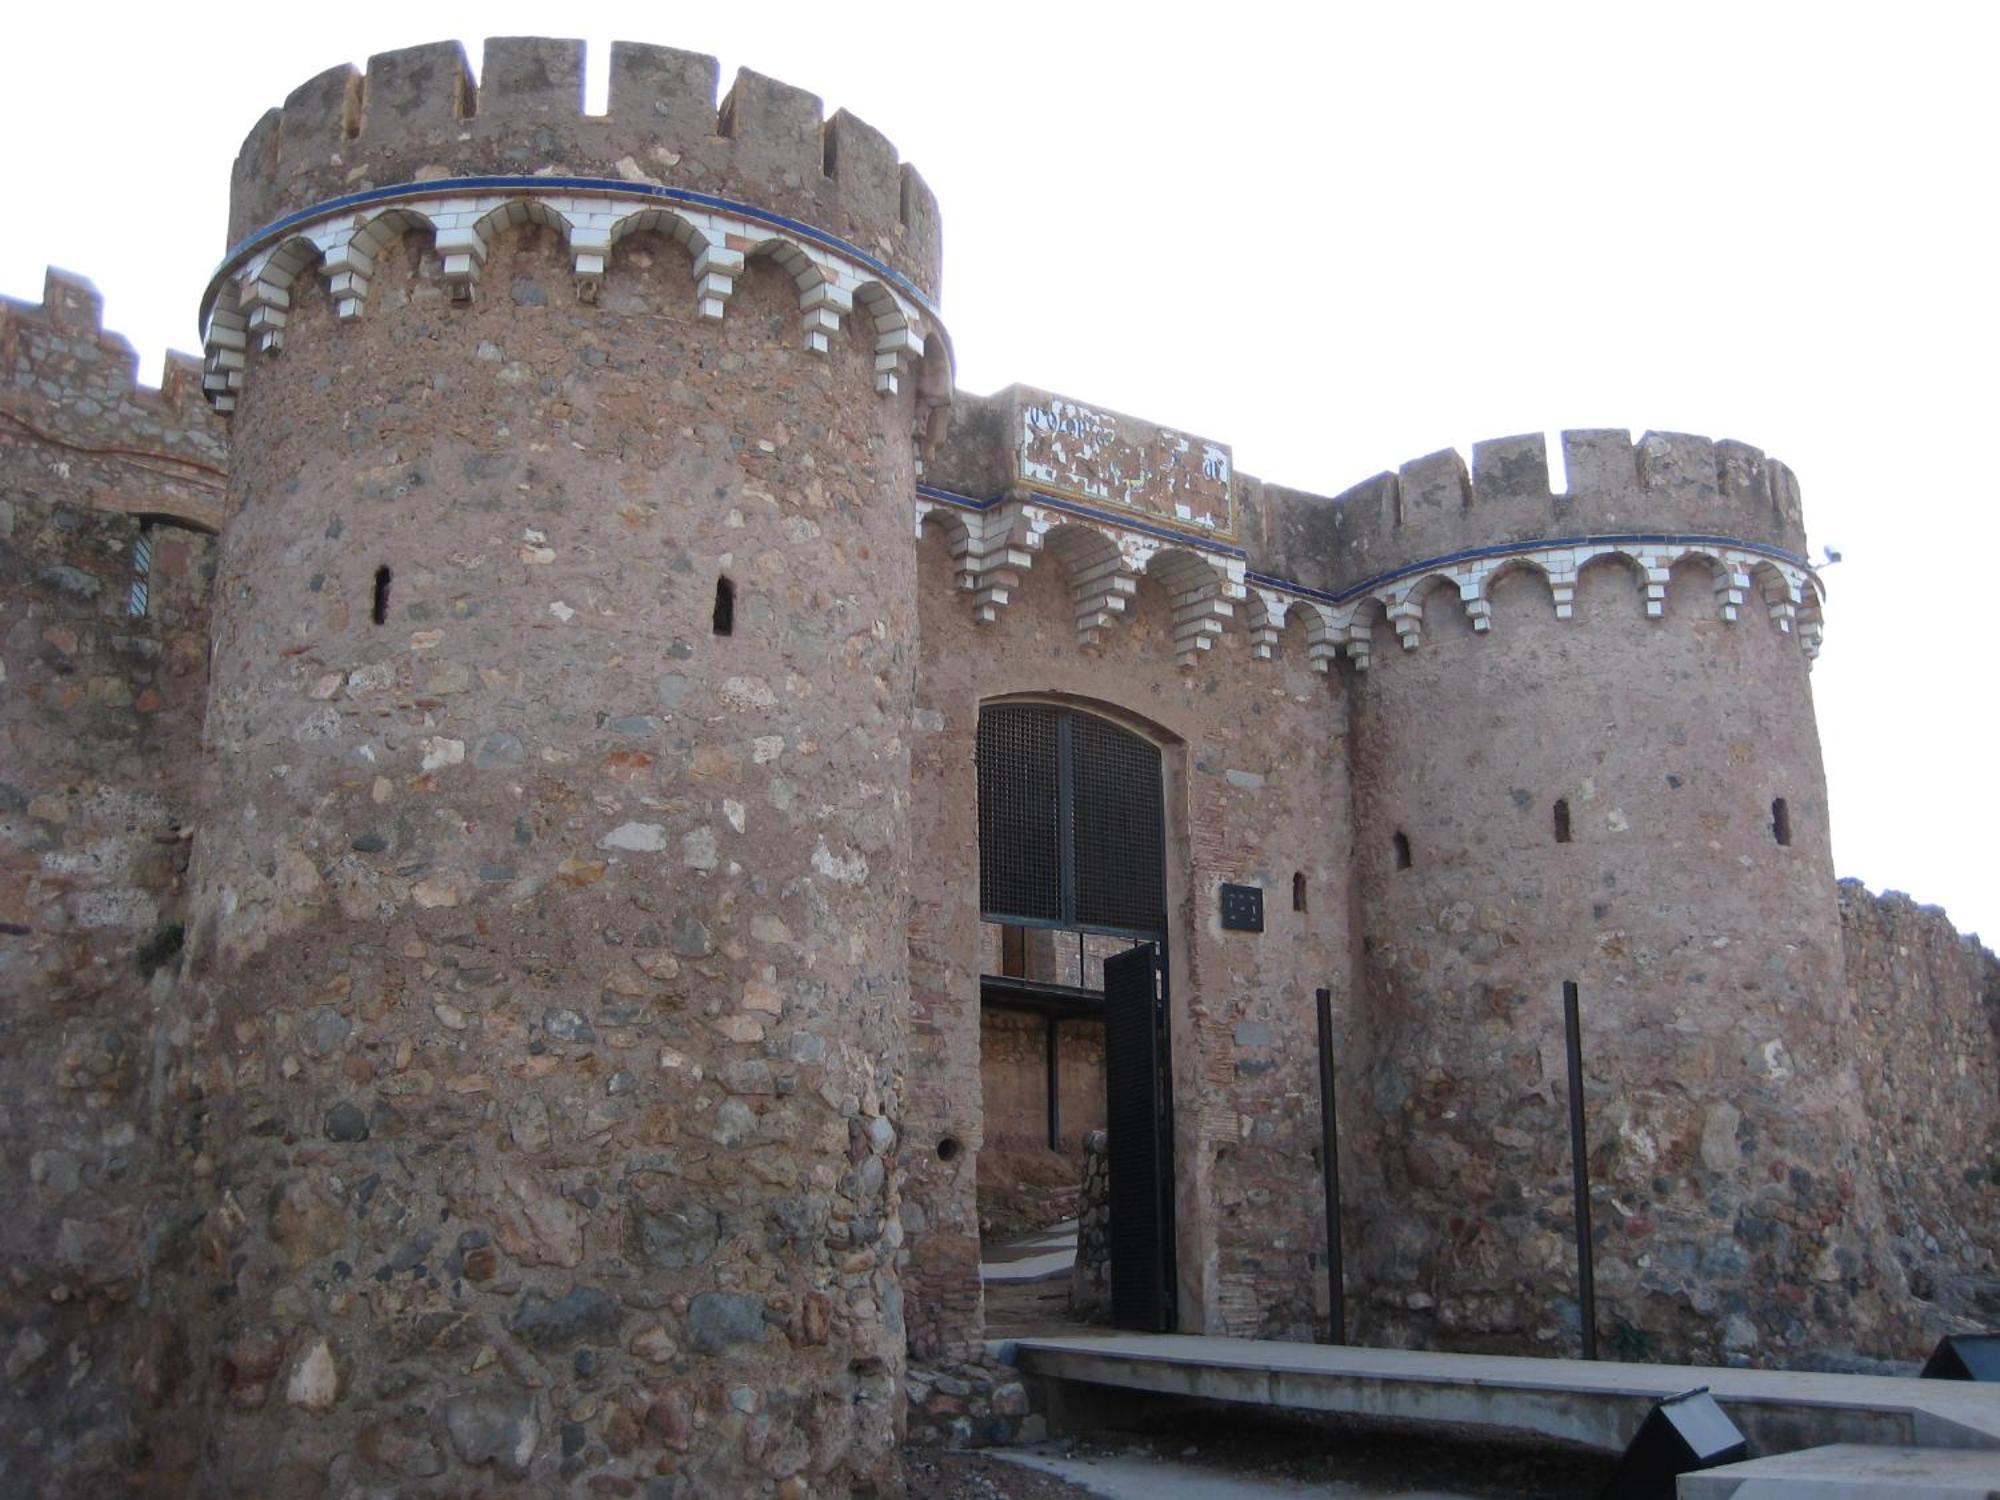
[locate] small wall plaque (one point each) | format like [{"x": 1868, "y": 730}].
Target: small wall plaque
[{"x": 1242, "y": 908}]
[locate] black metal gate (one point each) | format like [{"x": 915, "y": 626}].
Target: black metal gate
[
  {"x": 1072, "y": 836},
  {"x": 1139, "y": 1129}
]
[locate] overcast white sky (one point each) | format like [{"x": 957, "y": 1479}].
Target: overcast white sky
[{"x": 1336, "y": 237}]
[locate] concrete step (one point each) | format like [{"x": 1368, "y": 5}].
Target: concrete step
[
  {"x": 1597, "y": 1403},
  {"x": 1852, "y": 1471}
]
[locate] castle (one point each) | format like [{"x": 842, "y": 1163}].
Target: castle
[{"x": 530, "y": 769}]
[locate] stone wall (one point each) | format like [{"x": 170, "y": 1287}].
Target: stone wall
[
  {"x": 104, "y": 623},
  {"x": 1013, "y": 1081},
  {"x": 1927, "y": 1001},
  {"x": 1667, "y": 482},
  {"x": 100, "y": 713},
  {"x": 1090, "y": 1277},
  {"x": 76, "y": 423}
]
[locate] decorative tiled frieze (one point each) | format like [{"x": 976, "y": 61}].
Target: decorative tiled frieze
[
  {"x": 1103, "y": 557},
  {"x": 249, "y": 300}
]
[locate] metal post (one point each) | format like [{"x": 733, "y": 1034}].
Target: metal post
[
  {"x": 1329, "y": 1150},
  {"x": 1055, "y": 1084},
  {"x": 1579, "y": 1156}
]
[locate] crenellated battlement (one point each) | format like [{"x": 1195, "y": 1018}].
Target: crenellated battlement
[
  {"x": 416, "y": 115},
  {"x": 77, "y": 424},
  {"x": 354, "y": 161},
  {"x": 1359, "y": 568},
  {"x": 1666, "y": 483}
]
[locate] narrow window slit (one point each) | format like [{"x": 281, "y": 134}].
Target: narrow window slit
[
  {"x": 1298, "y": 890},
  {"x": 1562, "y": 820},
  {"x": 380, "y": 613},
  {"x": 724, "y": 619},
  {"x": 829, "y": 151},
  {"x": 1781, "y": 821},
  {"x": 1402, "y": 850},
  {"x": 139, "y": 599}
]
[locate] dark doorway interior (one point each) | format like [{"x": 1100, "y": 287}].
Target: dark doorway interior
[
  {"x": 1073, "y": 888},
  {"x": 1140, "y": 1140}
]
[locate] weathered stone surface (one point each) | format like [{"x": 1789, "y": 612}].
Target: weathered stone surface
[
  {"x": 532, "y": 1222},
  {"x": 100, "y": 724},
  {"x": 673, "y": 1236},
  {"x": 307, "y": 1220},
  {"x": 583, "y": 1312},
  {"x": 1927, "y": 1001},
  {"x": 315, "y": 1380},
  {"x": 718, "y": 1320},
  {"x": 346, "y": 1121},
  {"x": 493, "y": 1428}
]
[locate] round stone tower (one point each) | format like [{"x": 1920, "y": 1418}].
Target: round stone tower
[
  {"x": 563, "y": 669},
  {"x": 1584, "y": 750}
]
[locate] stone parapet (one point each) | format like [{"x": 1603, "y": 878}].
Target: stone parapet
[
  {"x": 416, "y": 115},
  {"x": 1667, "y": 484},
  {"x": 1357, "y": 570},
  {"x": 75, "y": 422}
]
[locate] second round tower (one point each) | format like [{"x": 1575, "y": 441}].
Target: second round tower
[{"x": 1584, "y": 752}]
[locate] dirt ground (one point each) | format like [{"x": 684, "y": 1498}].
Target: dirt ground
[
  {"x": 1022, "y": 1190},
  {"x": 934, "y": 1475}
]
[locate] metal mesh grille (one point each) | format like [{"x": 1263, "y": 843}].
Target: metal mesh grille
[
  {"x": 1119, "y": 874},
  {"x": 1020, "y": 872}
]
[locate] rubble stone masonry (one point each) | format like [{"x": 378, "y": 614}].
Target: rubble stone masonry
[
  {"x": 1927, "y": 1003},
  {"x": 559, "y": 777},
  {"x": 103, "y": 681}
]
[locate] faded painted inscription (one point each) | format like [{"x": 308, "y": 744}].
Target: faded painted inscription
[{"x": 1102, "y": 458}]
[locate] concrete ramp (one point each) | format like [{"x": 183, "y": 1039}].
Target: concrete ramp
[
  {"x": 1849, "y": 1471},
  {"x": 1599, "y": 1404}
]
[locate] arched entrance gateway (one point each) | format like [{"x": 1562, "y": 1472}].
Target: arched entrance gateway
[{"x": 1072, "y": 898}]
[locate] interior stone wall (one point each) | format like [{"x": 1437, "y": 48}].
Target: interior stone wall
[{"x": 1014, "y": 1081}]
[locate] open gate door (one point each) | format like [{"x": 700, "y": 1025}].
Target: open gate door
[{"x": 1139, "y": 1127}]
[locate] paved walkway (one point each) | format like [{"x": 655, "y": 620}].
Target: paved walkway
[
  {"x": 1032, "y": 1257},
  {"x": 1846, "y": 1471},
  {"x": 1599, "y": 1404}
]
